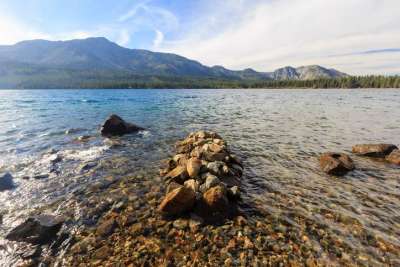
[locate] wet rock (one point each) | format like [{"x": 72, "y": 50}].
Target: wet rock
[
  {"x": 86, "y": 166},
  {"x": 41, "y": 176},
  {"x": 394, "y": 157},
  {"x": 178, "y": 201},
  {"x": 102, "y": 253},
  {"x": 193, "y": 184},
  {"x": 178, "y": 174},
  {"x": 116, "y": 126},
  {"x": 374, "y": 150},
  {"x": 193, "y": 167},
  {"x": 37, "y": 230},
  {"x": 106, "y": 227},
  {"x": 6, "y": 182},
  {"x": 336, "y": 163},
  {"x": 215, "y": 199}
]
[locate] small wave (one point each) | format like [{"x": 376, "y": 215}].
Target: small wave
[
  {"x": 90, "y": 101},
  {"x": 85, "y": 154},
  {"x": 145, "y": 133},
  {"x": 25, "y": 101}
]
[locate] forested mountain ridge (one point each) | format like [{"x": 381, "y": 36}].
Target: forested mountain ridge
[{"x": 97, "y": 59}]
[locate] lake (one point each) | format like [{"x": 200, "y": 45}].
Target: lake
[{"x": 279, "y": 134}]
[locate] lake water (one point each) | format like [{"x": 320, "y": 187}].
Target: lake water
[{"x": 278, "y": 134}]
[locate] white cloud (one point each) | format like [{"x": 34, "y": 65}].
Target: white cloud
[
  {"x": 124, "y": 37},
  {"x": 159, "y": 38},
  {"x": 273, "y": 34},
  {"x": 12, "y": 31}
]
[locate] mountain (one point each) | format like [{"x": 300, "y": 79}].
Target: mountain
[{"x": 96, "y": 58}]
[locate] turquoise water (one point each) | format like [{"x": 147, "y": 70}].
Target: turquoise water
[{"x": 278, "y": 133}]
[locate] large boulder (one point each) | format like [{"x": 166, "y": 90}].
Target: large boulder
[
  {"x": 41, "y": 229},
  {"x": 6, "y": 182},
  {"x": 178, "y": 201},
  {"x": 394, "y": 157},
  {"x": 336, "y": 163},
  {"x": 374, "y": 150},
  {"x": 116, "y": 126}
]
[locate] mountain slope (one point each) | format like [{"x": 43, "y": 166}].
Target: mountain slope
[{"x": 35, "y": 59}]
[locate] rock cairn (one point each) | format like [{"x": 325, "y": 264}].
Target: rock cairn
[{"x": 203, "y": 177}]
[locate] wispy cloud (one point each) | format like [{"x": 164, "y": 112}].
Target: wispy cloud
[
  {"x": 149, "y": 15},
  {"x": 295, "y": 32},
  {"x": 369, "y": 52}
]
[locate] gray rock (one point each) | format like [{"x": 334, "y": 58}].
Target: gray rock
[
  {"x": 211, "y": 181},
  {"x": 215, "y": 167},
  {"x": 6, "y": 182}
]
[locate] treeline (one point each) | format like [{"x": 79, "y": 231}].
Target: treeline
[
  {"x": 193, "y": 83},
  {"x": 108, "y": 80}
]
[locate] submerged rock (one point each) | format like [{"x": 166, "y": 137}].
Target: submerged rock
[
  {"x": 394, "y": 157},
  {"x": 373, "y": 150},
  {"x": 178, "y": 201},
  {"x": 37, "y": 230},
  {"x": 116, "y": 126},
  {"x": 106, "y": 227},
  {"x": 336, "y": 163},
  {"x": 6, "y": 182}
]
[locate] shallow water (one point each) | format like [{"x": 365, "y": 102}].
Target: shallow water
[{"x": 278, "y": 133}]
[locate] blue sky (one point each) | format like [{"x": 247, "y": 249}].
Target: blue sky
[{"x": 355, "y": 36}]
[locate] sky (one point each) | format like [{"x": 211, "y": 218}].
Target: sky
[{"x": 355, "y": 36}]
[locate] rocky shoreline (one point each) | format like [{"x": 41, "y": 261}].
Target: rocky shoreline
[{"x": 190, "y": 215}]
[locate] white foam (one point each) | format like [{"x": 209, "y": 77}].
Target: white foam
[{"x": 86, "y": 155}]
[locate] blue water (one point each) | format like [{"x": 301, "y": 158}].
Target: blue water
[{"x": 278, "y": 133}]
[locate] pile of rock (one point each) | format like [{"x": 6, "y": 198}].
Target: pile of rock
[{"x": 202, "y": 177}]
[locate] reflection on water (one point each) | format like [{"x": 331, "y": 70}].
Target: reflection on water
[{"x": 278, "y": 133}]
